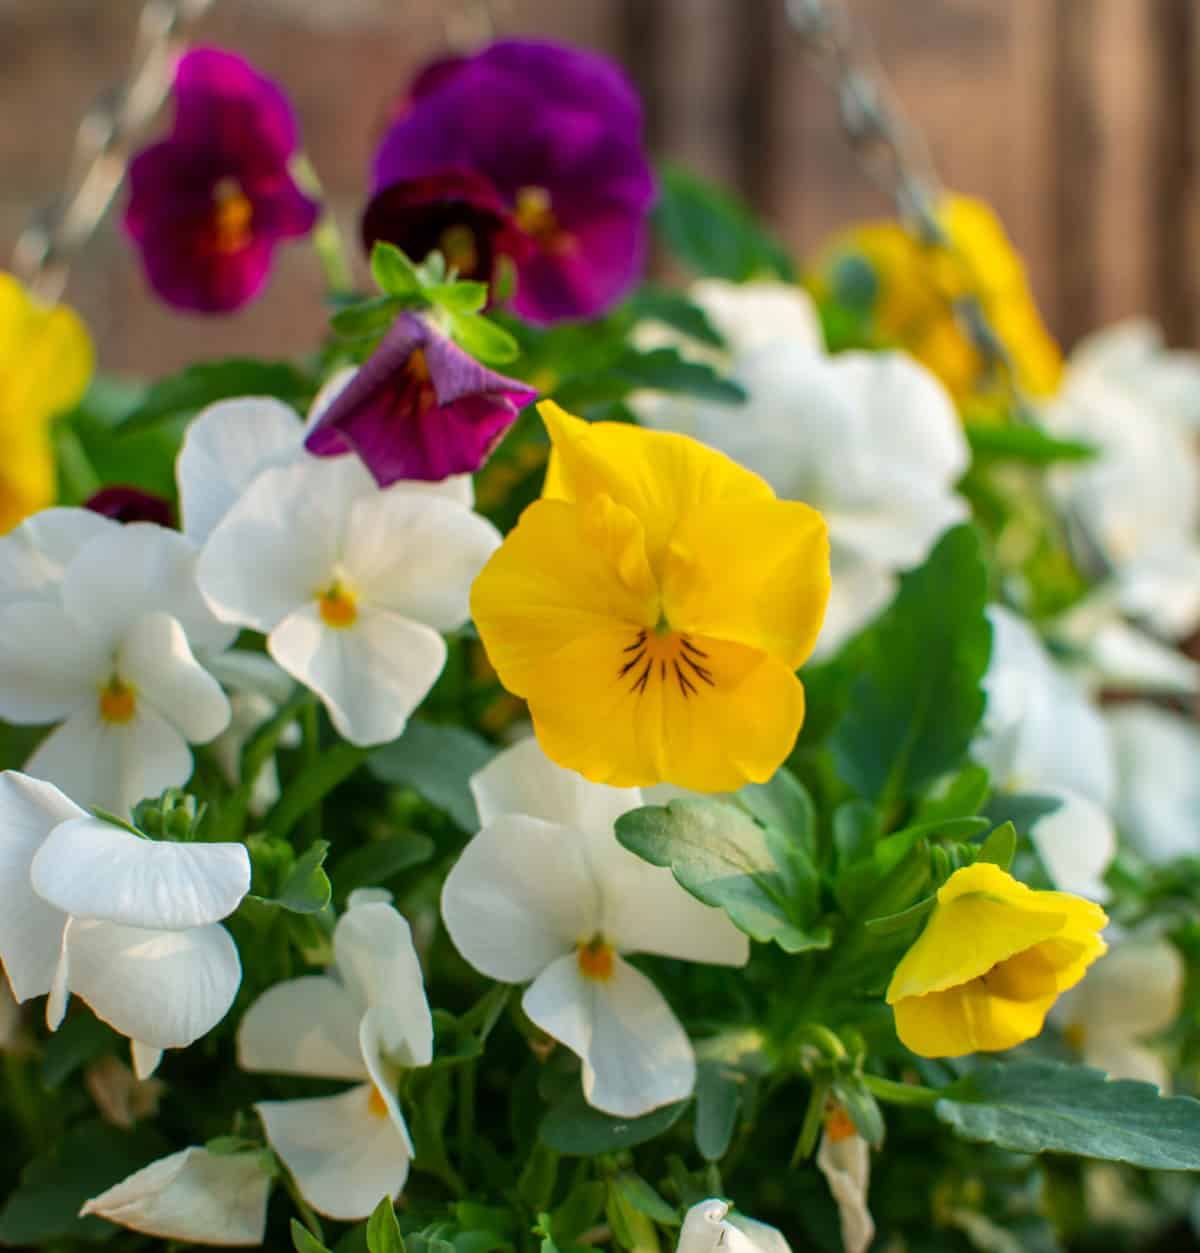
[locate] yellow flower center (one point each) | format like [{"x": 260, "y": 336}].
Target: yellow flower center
[
  {"x": 376, "y": 1104},
  {"x": 460, "y": 249},
  {"x": 534, "y": 213},
  {"x": 232, "y": 212},
  {"x": 338, "y": 606},
  {"x": 595, "y": 958},
  {"x": 665, "y": 656},
  {"x": 118, "y": 702}
]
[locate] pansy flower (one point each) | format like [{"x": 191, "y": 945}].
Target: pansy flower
[
  {"x": 545, "y": 895},
  {"x": 210, "y": 202},
  {"x": 652, "y": 609},
  {"x": 419, "y": 408},
  {"x": 556, "y": 132},
  {"x": 123, "y": 503}
]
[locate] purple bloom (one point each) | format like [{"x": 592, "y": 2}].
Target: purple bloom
[
  {"x": 557, "y": 133},
  {"x": 131, "y": 504},
  {"x": 210, "y": 202},
  {"x": 419, "y": 408}
]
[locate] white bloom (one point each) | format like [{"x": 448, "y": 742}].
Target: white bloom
[
  {"x": 844, "y": 1158},
  {"x": 34, "y": 556},
  {"x": 364, "y": 1023},
  {"x": 546, "y": 893},
  {"x": 352, "y": 585},
  {"x": 709, "y": 1227},
  {"x": 110, "y": 658},
  {"x": 194, "y": 1196},
  {"x": 1132, "y": 993},
  {"x": 872, "y": 440},
  {"x": 1158, "y": 780},
  {"x": 1041, "y": 734},
  {"x": 130, "y": 925}
]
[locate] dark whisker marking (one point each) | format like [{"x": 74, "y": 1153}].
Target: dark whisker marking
[
  {"x": 686, "y": 686},
  {"x": 629, "y": 665},
  {"x": 637, "y": 643},
  {"x": 662, "y": 670},
  {"x": 644, "y": 677},
  {"x": 702, "y": 671},
  {"x": 691, "y": 648}
]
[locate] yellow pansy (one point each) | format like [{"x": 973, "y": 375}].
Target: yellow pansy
[
  {"x": 919, "y": 282},
  {"x": 45, "y": 364},
  {"x": 652, "y": 609},
  {"x": 994, "y": 956}
]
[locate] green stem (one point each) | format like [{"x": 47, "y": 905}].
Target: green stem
[
  {"x": 327, "y": 239},
  {"x": 811, "y": 1127},
  {"x": 78, "y": 475},
  {"x": 466, "y": 1108},
  {"x": 310, "y": 729},
  {"x": 307, "y": 1217},
  {"x": 23, "y": 1101},
  {"x": 900, "y": 1093},
  {"x": 309, "y": 788}
]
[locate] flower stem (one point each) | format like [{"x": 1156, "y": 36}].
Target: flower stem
[
  {"x": 327, "y": 239},
  {"x": 900, "y": 1093}
]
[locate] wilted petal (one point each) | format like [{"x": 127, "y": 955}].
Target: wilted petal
[{"x": 846, "y": 1164}]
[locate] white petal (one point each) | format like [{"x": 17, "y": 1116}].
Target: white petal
[
  {"x": 305, "y": 1026},
  {"x": 846, "y": 1165},
  {"x": 523, "y": 780},
  {"x": 748, "y": 1235},
  {"x": 194, "y": 1196},
  {"x": 520, "y": 897},
  {"x": 135, "y": 570},
  {"x": 1161, "y": 586},
  {"x": 383, "y": 1069},
  {"x": 252, "y": 673},
  {"x": 345, "y": 1157},
  {"x": 704, "y": 1227},
  {"x": 279, "y": 546},
  {"x": 373, "y": 947},
  {"x": 860, "y": 591},
  {"x": 164, "y": 988},
  {"x": 635, "y": 1054},
  {"x": 1133, "y": 992},
  {"x": 30, "y": 929},
  {"x": 145, "y": 1058},
  {"x": 155, "y": 660},
  {"x": 371, "y": 675},
  {"x": 34, "y": 556},
  {"x": 417, "y": 555},
  {"x": 748, "y": 315},
  {"x": 1076, "y": 843},
  {"x": 48, "y": 667},
  {"x": 113, "y": 765},
  {"x": 226, "y": 445},
  {"x": 1121, "y": 1058},
  {"x": 60, "y": 993},
  {"x": 1124, "y": 656},
  {"x": 93, "y": 869}
]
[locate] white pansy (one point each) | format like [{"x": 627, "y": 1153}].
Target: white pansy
[
  {"x": 130, "y": 925},
  {"x": 194, "y": 1196},
  {"x": 1041, "y": 734},
  {"x": 352, "y": 585},
  {"x": 1131, "y": 994},
  {"x": 35, "y": 555},
  {"x": 545, "y": 893},
  {"x": 871, "y": 440},
  {"x": 844, "y": 1158},
  {"x": 110, "y": 659},
  {"x": 709, "y": 1227},
  {"x": 365, "y": 1021},
  {"x": 1158, "y": 780}
]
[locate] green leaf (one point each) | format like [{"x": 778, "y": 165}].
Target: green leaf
[
  {"x": 782, "y": 802},
  {"x": 959, "y": 796},
  {"x": 1049, "y": 1107},
  {"x": 201, "y": 385},
  {"x": 306, "y": 890},
  {"x": 370, "y": 317},
  {"x": 304, "y": 1241},
  {"x": 81, "y": 1038},
  {"x": 437, "y": 762},
  {"x": 765, "y": 883},
  {"x": 484, "y": 340},
  {"x": 575, "y": 1128},
  {"x": 334, "y": 766},
  {"x": 458, "y": 297},
  {"x": 1000, "y": 847},
  {"x": 393, "y": 272},
  {"x": 383, "y": 1231},
  {"x": 709, "y": 230},
  {"x": 861, "y": 1106},
  {"x": 718, "y": 1097},
  {"x": 639, "y": 1195},
  {"x": 380, "y": 860},
  {"x": 918, "y": 697},
  {"x": 665, "y": 370},
  {"x": 1024, "y": 444},
  {"x": 674, "y": 309}
]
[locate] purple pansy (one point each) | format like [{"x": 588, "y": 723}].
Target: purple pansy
[
  {"x": 419, "y": 408},
  {"x": 130, "y": 504},
  {"x": 210, "y": 202},
  {"x": 558, "y": 135}
]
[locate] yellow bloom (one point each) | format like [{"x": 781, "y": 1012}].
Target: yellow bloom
[
  {"x": 918, "y": 284},
  {"x": 45, "y": 365},
  {"x": 652, "y": 609},
  {"x": 994, "y": 956}
]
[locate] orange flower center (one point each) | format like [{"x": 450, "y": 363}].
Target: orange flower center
[
  {"x": 376, "y": 1104},
  {"x": 232, "y": 212},
  {"x": 416, "y": 370},
  {"x": 838, "y": 1123},
  {"x": 668, "y": 657},
  {"x": 118, "y": 703},
  {"x": 339, "y": 607},
  {"x": 595, "y": 958},
  {"x": 535, "y": 216}
]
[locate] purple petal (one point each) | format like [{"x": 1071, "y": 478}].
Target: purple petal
[
  {"x": 423, "y": 419},
  {"x": 131, "y": 504},
  {"x": 186, "y": 273}
]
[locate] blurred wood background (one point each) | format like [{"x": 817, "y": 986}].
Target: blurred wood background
[{"x": 1077, "y": 119}]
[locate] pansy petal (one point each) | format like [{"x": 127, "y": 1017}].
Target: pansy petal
[
  {"x": 1134, "y": 991},
  {"x": 225, "y": 447},
  {"x": 155, "y": 660},
  {"x": 858, "y": 593},
  {"x": 1076, "y": 843},
  {"x": 48, "y": 667},
  {"x": 30, "y": 928},
  {"x": 635, "y": 1054},
  {"x": 846, "y": 1164},
  {"x": 164, "y": 988},
  {"x": 194, "y": 1196},
  {"x": 34, "y": 556},
  {"x": 383, "y": 1067},
  {"x": 417, "y": 555},
  {"x": 344, "y": 1153},
  {"x": 305, "y": 1026},
  {"x": 94, "y": 869},
  {"x": 145, "y": 1058},
  {"x": 511, "y": 924}
]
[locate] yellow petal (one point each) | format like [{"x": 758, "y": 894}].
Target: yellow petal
[
  {"x": 658, "y": 475},
  {"x": 754, "y": 572},
  {"x": 968, "y": 1019},
  {"x": 27, "y": 480},
  {"x": 562, "y": 575},
  {"x": 46, "y": 357},
  {"x": 632, "y": 708}
]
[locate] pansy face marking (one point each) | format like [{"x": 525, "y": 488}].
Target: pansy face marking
[{"x": 118, "y": 702}]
